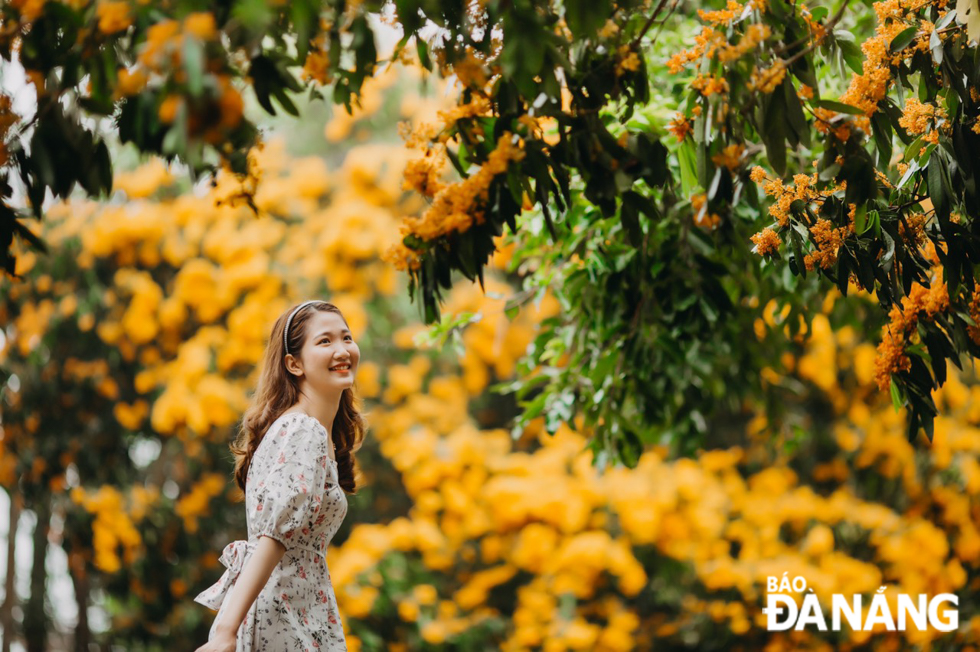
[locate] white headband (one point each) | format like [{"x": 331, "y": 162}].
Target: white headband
[{"x": 285, "y": 333}]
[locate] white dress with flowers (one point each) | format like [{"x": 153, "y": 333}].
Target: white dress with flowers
[{"x": 292, "y": 495}]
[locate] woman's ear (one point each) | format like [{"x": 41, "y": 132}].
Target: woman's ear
[{"x": 293, "y": 366}]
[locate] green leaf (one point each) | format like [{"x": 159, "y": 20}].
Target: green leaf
[
  {"x": 688, "y": 164},
  {"x": 794, "y": 111},
  {"x": 897, "y": 400},
  {"x": 255, "y": 15},
  {"x": 860, "y": 219},
  {"x": 774, "y": 130},
  {"x": 629, "y": 447},
  {"x": 946, "y": 20},
  {"x": 912, "y": 151},
  {"x": 176, "y": 139},
  {"x": 851, "y": 53},
  {"x": 936, "y": 47},
  {"x": 937, "y": 189},
  {"x": 585, "y": 17},
  {"x": 839, "y": 107},
  {"x": 862, "y": 184},
  {"x": 41, "y": 159},
  {"x": 881, "y": 128},
  {"x": 630, "y": 218},
  {"x": 702, "y": 163},
  {"x": 797, "y": 245},
  {"x": 304, "y": 15},
  {"x": 264, "y": 81},
  {"x": 286, "y": 103},
  {"x": 903, "y": 39},
  {"x": 103, "y": 162},
  {"x": 423, "y": 51},
  {"x": 194, "y": 65},
  {"x": 21, "y": 230}
]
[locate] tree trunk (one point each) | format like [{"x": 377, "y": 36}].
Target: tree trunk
[
  {"x": 80, "y": 580},
  {"x": 9, "y": 587},
  {"x": 35, "y": 618}
]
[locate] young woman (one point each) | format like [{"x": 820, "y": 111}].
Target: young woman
[{"x": 294, "y": 463}]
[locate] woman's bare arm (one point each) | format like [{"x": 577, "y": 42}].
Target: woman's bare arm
[{"x": 268, "y": 553}]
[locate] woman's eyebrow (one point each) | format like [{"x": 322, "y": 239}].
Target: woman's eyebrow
[{"x": 331, "y": 332}]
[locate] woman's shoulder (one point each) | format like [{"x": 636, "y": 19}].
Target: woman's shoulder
[{"x": 297, "y": 430}]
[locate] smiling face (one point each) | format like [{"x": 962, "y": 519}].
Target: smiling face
[{"x": 328, "y": 347}]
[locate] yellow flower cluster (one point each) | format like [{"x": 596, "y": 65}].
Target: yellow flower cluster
[
  {"x": 701, "y": 216},
  {"x": 609, "y": 30},
  {"x": 75, "y": 369},
  {"x": 471, "y": 70},
  {"x": 712, "y": 42},
  {"x": 710, "y": 85},
  {"x": 457, "y": 205},
  {"x": 680, "y": 126},
  {"x": 30, "y": 10},
  {"x": 131, "y": 416},
  {"x": 161, "y": 48},
  {"x": 868, "y": 89},
  {"x": 317, "y": 67},
  {"x": 138, "y": 320},
  {"x": 917, "y": 224},
  {"x": 114, "y": 16},
  {"x": 974, "y": 331},
  {"x": 706, "y": 43},
  {"x": 786, "y": 195},
  {"x": 145, "y": 180},
  {"x": 766, "y": 80},
  {"x": 918, "y": 117},
  {"x": 196, "y": 502},
  {"x": 111, "y": 528},
  {"x": 766, "y": 241},
  {"x": 828, "y": 240},
  {"x": 754, "y": 35},
  {"x": 201, "y": 24},
  {"x": 129, "y": 82},
  {"x": 402, "y": 258},
  {"x": 817, "y": 31},
  {"x": 494, "y": 344},
  {"x": 921, "y": 303},
  {"x": 478, "y": 106},
  {"x": 729, "y": 157},
  {"x": 723, "y": 16},
  {"x": 422, "y": 174},
  {"x": 141, "y": 500},
  {"x": 32, "y": 323},
  {"x": 628, "y": 60}
]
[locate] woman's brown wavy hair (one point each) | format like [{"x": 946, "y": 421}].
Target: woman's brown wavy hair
[{"x": 278, "y": 390}]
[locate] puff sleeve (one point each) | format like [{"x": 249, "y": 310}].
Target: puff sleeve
[{"x": 286, "y": 499}]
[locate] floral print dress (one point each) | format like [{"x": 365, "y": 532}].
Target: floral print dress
[{"x": 292, "y": 495}]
